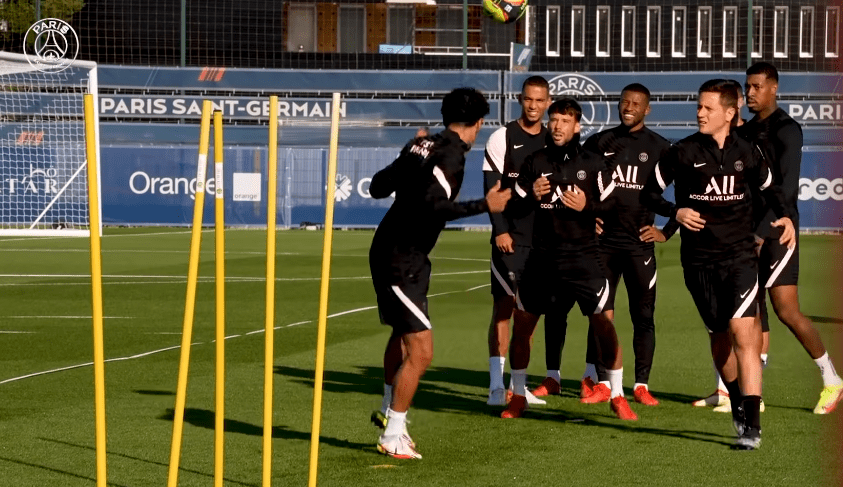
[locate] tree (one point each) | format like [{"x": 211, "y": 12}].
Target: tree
[{"x": 20, "y": 14}]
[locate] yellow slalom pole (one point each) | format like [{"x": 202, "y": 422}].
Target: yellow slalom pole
[
  {"x": 269, "y": 353},
  {"x": 323, "y": 291},
  {"x": 190, "y": 301},
  {"x": 96, "y": 288},
  {"x": 219, "y": 234}
]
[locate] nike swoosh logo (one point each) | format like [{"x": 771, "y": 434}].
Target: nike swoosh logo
[
  {"x": 607, "y": 154},
  {"x": 699, "y": 165},
  {"x": 647, "y": 262},
  {"x": 544, "y": 175},
  {"x": 601, "y": 291},
  {"x": 773, "y": 264},
  {"x": 517, "y": 146},
  {"x": 744, "y": 294}
]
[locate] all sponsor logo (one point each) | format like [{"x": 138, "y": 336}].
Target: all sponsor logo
[{"x": 595, "y": 114}]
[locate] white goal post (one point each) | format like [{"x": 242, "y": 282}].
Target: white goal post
[{"x": 43, "y": 174}]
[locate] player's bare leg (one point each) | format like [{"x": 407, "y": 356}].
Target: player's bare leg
[
  {"x": 519, "y": 358},
  {"x": 612, "y": 357},
  {"x": 498, "y": 348}
]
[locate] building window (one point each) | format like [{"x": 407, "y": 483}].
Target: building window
[
  {"x": 730, "y": 32},
  {"x": 552, "y": 30},
  {"x": 627, "y": 31},
  {"x": 351, "y": 29},
  {"x": 678, "y": 40},
  {"x": 780, "y": 27},
  {"x": 654, "y": 31},
  {"x": 301, "y": 28},
  {"x": 757, "y": 31},
  {"x": 806, "y": 32},
  {"x": 400, "y": 25},
  {"x": 449, "y": 26},
  {"x": 832, "y": 31},
  {"x": 578, "y": 31},
  {"x": 604, "y": 31},
  {"x": 704, "y": 22}
]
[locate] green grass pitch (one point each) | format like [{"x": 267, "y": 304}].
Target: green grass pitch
[{"x": 46, "y": 382}]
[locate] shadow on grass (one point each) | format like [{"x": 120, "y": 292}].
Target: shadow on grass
[
  {"x": 54, "y": 470},
  {"x": 826, "y": 319},
  {"x": 204, "y": 418},
  {"x": 150, "y": 392},
  {"x": 142, "y": 460}
]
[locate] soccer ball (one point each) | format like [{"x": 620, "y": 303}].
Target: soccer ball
[{"x": 505, "y": 11}]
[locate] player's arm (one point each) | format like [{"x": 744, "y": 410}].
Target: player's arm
[
  {"x": 762, "y": 180},
  {"x": 441, "y": 186},
  {"x": 789, "y": 141},
  {"x": 493, "y": 168},
  {"x": 387, "y": 180}
]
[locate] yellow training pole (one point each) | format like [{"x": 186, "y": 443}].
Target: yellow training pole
[
  {"x": 219, "y": 234},
  {"x": 96, "y": 288},
  {"x": 269, "y": 353},
  {"x": 190, "y": 302},
  {"x": 323, "y": 291}
]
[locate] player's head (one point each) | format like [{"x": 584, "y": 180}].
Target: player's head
[
  {"x": 464, "y": 109},
  {"x": 717, "y": 105},
  {"x": 564, "y": 124},
  {"x": 634, "y": 106},
  {"x": 736, "y": 86},
  {"x": 762, "y": 84},
  {"x": 534, "y": 99}
]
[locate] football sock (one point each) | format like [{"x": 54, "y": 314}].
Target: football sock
[
  {"x": 763, "y": 360},
  {"x": 720, "y": 385},
  {"x": 752, "y": 411},
  {"x": 830, "y": 377},
  {"x": 387, "y": 398},
  {"x": 615, "y": 381},
  {"x": 735, "y": 396},
  {"x": 519, "y": 382},
  {"x": 554, "y": 374},
  {"x": 395, "y": 423},
  {"x": 496, "y": 366},
  {"x": 590, "y": 371},
  {"x": 640, "y": 384}
]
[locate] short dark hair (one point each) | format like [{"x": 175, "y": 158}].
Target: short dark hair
[
  {"x": 737, "y": 86},
  {"x": 637, "y": 88},
  {"x": 537, "y": 81},
  {"x": 764, "y": 68},
  {"x": 728, "y": 94},
  {"x": 566, "y": 106},
  {"x": 464, "y": 106}
]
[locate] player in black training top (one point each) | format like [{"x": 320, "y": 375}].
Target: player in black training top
[
  {"x": 715, "y": 173},
  {"x": 565, "y": 185},
  {"x": 511, "y": 233},
  {"x": 426, "y": 179},
  {"x": 628, "y": 233},
  {"x": 779, "y": 137}
]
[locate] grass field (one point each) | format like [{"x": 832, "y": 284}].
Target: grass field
[{"x": 46, "y": 386}]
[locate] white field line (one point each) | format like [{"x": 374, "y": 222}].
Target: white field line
[
  {"x": 15, "y": 332},
  {"x": 178, "y": 279},
  {"x": 67, "y": 317},
  {"x": 160, "y": 350}
]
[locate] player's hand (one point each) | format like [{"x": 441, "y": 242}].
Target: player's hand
[
  {"x": 759, "y": 242},
  {"x": 541, "y": 187},
  {"x": 598, "y": 226},
  {"x": 422, "y": 132},
  {"x": 651, "y": 234},
  {"x": 690, "y": 219},
  {"x": 496, "y": 199},
  {"x": 575, "y": 199},
  {"x": 788, "y": 237},
  {"x": 504, "y": 243}
]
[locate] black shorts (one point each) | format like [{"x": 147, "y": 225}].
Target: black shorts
[
  {"x": 401, "y": 282},
  {"x": 778, "y": 265},
  {"x": 724, "y": 291},
  {"x": 638, "y": 268},
  {"x": 507, "y": 270},
  {"x": 548, "y": 285}
]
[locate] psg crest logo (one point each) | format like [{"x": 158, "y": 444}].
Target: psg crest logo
[
  {"x": 51, "y": 45},
  {"x": 643, "y": 157},
  {"x": 580, "y": 174},
  {"x": 738, "y": 165}
]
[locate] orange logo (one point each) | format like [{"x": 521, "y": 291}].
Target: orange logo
[{"x": 211, "y": 74}]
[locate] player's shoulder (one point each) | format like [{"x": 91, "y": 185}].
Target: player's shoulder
[
  {"x": 655, "y": 138},
  {"x": 498, "y": 138},
  {"x": 781, "y": 123}
]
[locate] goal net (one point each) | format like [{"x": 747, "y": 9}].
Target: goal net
[{"x": 43, "y": 170}]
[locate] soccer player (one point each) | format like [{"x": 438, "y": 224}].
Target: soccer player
[
  {"x": 566, "y": 186},
  {"x": 715, "y": 173},
  {"x": 628, "y": 236},
  {"x": 511, "y": 233},
  {"x": 426, "y": 179},
  {"x": 779, "y": 138}
]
